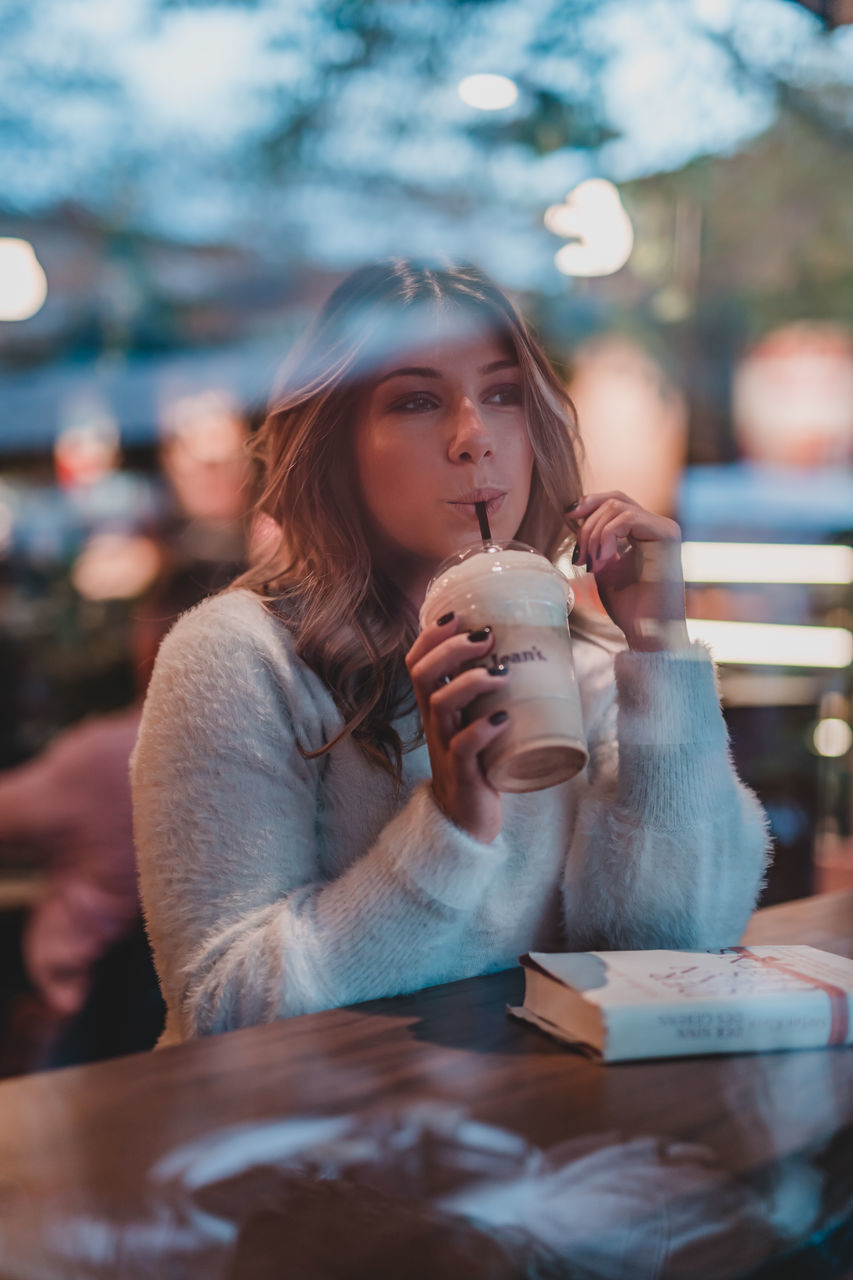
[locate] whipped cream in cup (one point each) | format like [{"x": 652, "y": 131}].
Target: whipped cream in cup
[{"x": 526, "y": 601}]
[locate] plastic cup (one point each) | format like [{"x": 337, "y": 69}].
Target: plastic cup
[{"x": 526, "y": 601}]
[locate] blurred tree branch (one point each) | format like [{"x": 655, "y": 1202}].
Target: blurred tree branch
[
  {"x": 832, "y": 13},
  {"x": 349, "y": 99},
  {"x": 830, "y": 112}
]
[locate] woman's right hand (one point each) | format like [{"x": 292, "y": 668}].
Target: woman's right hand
[{"x": 443, "y": 691}]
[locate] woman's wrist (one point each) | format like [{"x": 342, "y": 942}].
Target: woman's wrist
[
  {"x": 659, "y": 637},
  {"x": 482, "y": 823}
]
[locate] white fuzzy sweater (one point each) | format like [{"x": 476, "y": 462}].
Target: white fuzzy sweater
[{"x": 274, "y": 885}]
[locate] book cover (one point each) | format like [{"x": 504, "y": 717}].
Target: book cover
[{"x": 628, "y": 1005}]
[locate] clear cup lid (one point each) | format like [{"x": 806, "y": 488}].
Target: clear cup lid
[
  {"x": 495, "y": 548},
  {"x": 505, "y": 556}
]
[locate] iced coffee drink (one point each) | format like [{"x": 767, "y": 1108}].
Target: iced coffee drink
[{"x": 525, "y": 600}]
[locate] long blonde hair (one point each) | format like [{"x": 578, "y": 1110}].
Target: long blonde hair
[{"x": 349, "y": 621}]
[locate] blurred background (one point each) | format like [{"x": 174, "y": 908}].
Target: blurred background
[{"x": 666, "y": 189}]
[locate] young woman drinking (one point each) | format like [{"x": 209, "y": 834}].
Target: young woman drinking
[{"x": 312, "y": 821}]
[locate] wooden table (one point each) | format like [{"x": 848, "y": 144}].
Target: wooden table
[{"x": 328, "y": 1145}]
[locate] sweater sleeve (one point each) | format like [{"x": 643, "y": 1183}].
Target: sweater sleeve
[
  {"x": 669, "y": 848},
  {"x": 244, "y": 927}
]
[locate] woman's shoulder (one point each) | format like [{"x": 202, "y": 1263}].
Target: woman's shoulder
[
  {"x": 232, "y": 638},
  {"x": 231, "y": 654},
  {"x": 236, "y": 613}
]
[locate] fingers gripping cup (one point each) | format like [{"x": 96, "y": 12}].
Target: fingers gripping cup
[{"x": 525, "y": 600}]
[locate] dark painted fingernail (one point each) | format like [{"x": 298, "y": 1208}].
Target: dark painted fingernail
[
  {"x": 448, "y": 617},
  {"x": 498, "y": 717},
  {"x": 589, "y": 564},
  {"x": 571, "y": 507},
  {"x": 500, "y": 670},
  {"x": 576, "y": 554},
  {"x": 477, "y": 636}
]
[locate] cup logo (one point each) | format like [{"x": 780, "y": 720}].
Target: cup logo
[{"x": 533, "y": 654}]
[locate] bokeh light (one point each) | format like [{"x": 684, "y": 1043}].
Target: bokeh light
[
  {"x": 116, "y": 566},
  {"x": 597, "y": 226},
  {"x": 86, "y": 452},
  {"x": 23, "y": 283},
  {"x": 488, "y": 92},
  {"x": 832, "y": 737}
]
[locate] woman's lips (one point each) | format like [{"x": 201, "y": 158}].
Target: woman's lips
[{"x": 468, "y": 510}]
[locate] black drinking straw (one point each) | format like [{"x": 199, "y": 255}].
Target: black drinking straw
[{"x": 485, "y": 531}]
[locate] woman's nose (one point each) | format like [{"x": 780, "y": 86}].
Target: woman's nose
[{"x": 471, "y": 439}]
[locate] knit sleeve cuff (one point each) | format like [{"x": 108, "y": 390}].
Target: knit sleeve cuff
[
  {"x": 436, "y": 857},
  {"x": 673, "y": 756},
  {"x": 668, "y": 698}
]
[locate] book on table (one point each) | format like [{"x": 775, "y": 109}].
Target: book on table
[{"x": 628, "y": 1005}]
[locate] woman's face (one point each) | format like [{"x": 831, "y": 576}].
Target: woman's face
[{"x": 439, "y": 428}]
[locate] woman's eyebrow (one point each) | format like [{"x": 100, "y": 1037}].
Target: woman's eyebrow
[
  {"x": 414, "y": 371},
  {"x": 421, "y": 371}
]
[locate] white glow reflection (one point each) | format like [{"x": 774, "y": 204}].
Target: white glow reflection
[
  {"x": 771, "y": 644},
  {"x": 488, "y": 92},
  {"x": 594, "y": 221},
  {"x": 23, "y": 284},
  {"x": 7, "y": 524},
  {"x": 766, "y": 562},
  {"x": 832, "y": 737}
]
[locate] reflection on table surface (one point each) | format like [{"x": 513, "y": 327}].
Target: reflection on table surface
[{"x": 430, "y": 1135}]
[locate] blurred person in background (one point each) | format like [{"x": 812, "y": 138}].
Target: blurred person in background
[
  {"x": 205, "y": 462},
  {"x": 68, "y": 811},
  {"x": 633, "y": 427}
]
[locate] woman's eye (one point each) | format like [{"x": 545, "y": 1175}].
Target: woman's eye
[
  {"x": 509, "y": 394},
  {"x": 414, "y": 404}
]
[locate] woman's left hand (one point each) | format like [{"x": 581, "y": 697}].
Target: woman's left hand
[{"x": 636, "y": 559}]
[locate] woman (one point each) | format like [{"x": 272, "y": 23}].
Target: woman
[{"x": 312, "y": 824}]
